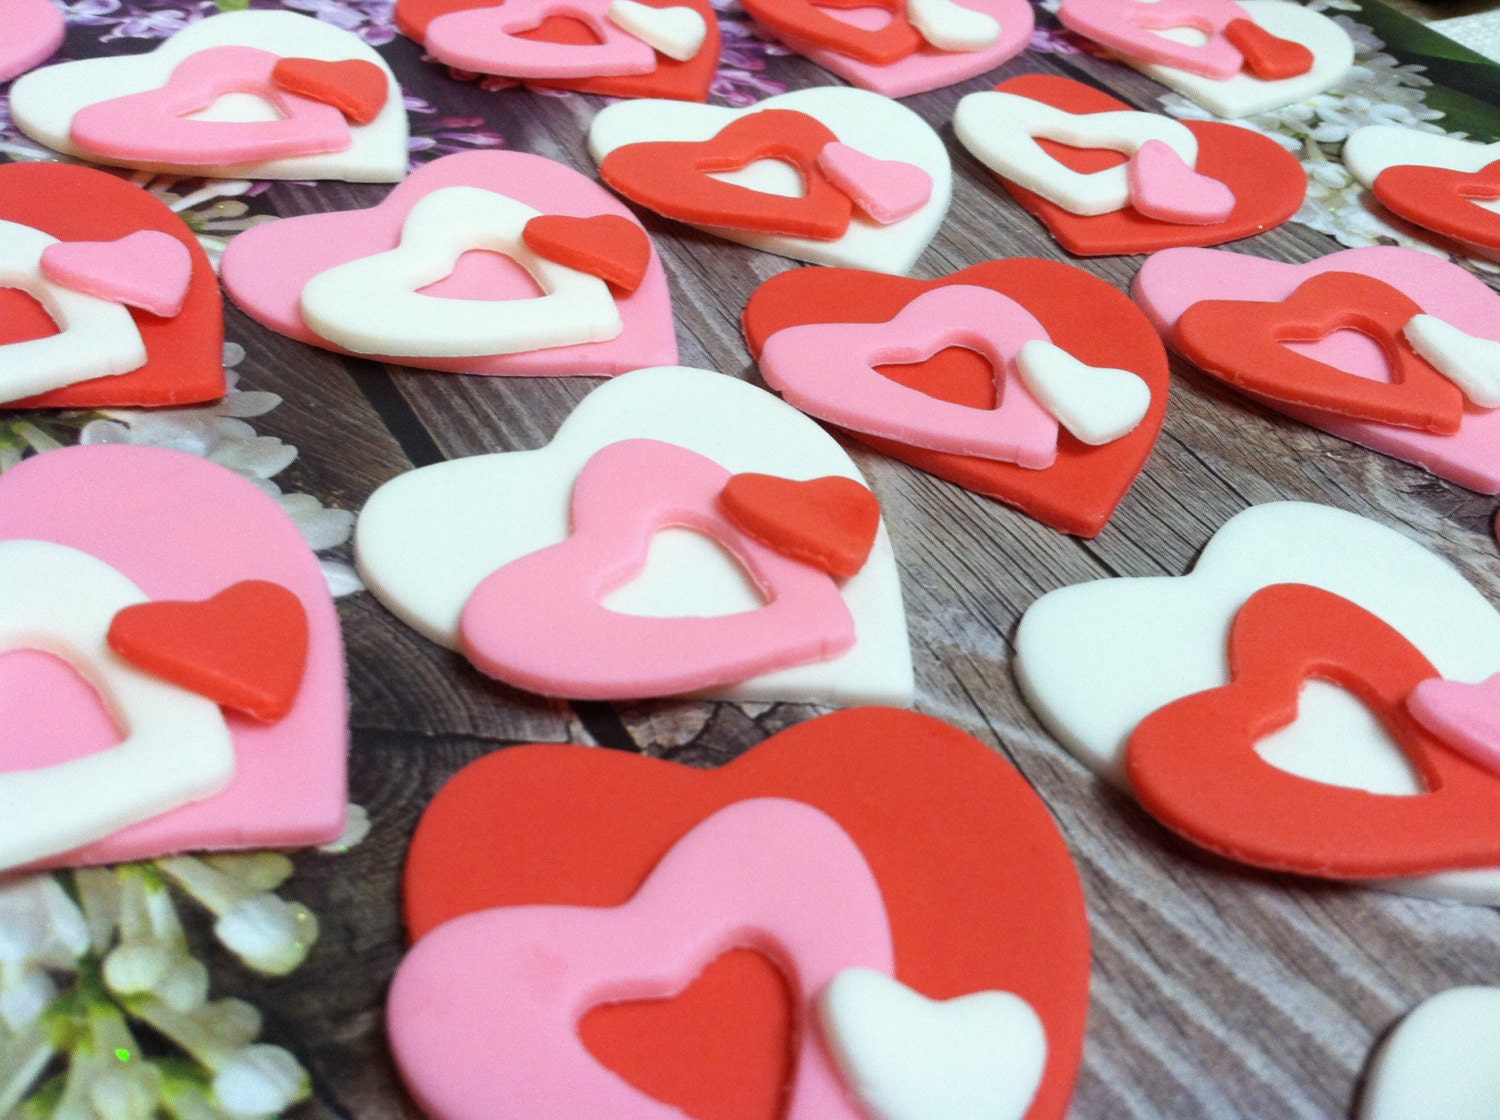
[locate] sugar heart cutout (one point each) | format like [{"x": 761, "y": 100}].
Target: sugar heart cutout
[
  {"x": 355, "y": 87},
  {"x": 245, "y": 648},
  {"x": 1464, "y": 716},
  {"x": 1267, "y": 57},
  {"x": 1089, "y": 319},
  {"x": 489, "y": 40},
  {"x": 1375, "y": 150},
  {"x": 802, "y": 21},
  {"x": 886, "y": 190},
  {"x": 615, "y": 249},
  {"x": 1173, "y": 281},
  {"x": 34, "y": 30},
  {"x": 1436, "y": 1064},
  {"x": 1133, "y": 30},
  {"x": 1165, "y": 188},
  {"x": 1443, "y": 200},
  {"x": 266, "y": 269},
  {"x": 182, "y": 528},
  {"x": 1097, "y": 406},
  {"x": 1473, "y": 364},
  {"x": 952, "y": 27},
  {"x": 941, "y": 820},
  {"x": 148, "y": 269},
  {"x": 184, "y": 353},
  {"x": 830, "y": 523},
  {"x": 676, "y": 32}
]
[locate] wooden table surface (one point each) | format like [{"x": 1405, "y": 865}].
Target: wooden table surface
[{"x": 1218, "y": 991}]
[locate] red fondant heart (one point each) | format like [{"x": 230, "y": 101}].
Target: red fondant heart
[
  {"x": 1442, "y": 200},
  {"x": 184, "y": 354},
  {"x": 1267, "y": 57},
  {"x": 245, "y": 649},
  {"x": 978, "y": 884},
  {"x": 678, "y": 81},
  {"x": 673, "y": 177},
  {"x": 829, "y": 523},
  {"x": 1193, "y": 763},
  {"x": 1084, "y": 315},
  {"x": 354, "y": 86},
  {"x": 608, "y": 246},
  {"x": 1268, "y": 182},
  {"x": 1243, "y": 342},
  {"x": 805, "y": 22}
]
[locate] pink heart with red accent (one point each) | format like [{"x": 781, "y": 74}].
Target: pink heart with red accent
[
  {"x": 146, "y": 269},
  {"x": 137, "y": 524},
  {"x": 1175, "y": 279},
  {"x": 1464, "y": 716},
  {"x": 33, "y": 30},
  {"x": 266, "y": 269},
  {"x": 885, "y": 189}
]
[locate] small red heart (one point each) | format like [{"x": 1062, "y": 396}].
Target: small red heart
[
  {"x": 355, "y": 87},
  {"x": 673, "y": 177},
  {"x": 1268, "y": 57},
  {"x": 1194, "y": 767},
  {"x": 244, "y": 649},
  {"x": 805, "y": 22},
  {"x": 829, "y": 523},
  {"x": 608, "y": 246},
  {"x": 1442, "y": 200},
  {"x": 1243, "y": 342}
]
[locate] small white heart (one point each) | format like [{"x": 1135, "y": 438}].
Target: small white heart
[
  {"x": 906, "y": 1057},
  {"x": 1473, "y": 364},
  {"x": 952, "y": 27},
  {"x": 675, "y": 32},
  {"x": 1098, "y": 405}
]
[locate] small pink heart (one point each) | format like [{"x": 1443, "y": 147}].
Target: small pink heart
[
  {"x": 1163, "y": 187},
  {"x": 146, "y": 269},
  {"x": 885, "y": 189},
  {"x": 1466, "y": 717}
]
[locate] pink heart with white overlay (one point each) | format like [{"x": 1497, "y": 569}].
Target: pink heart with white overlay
[{"x": 146, "y": 269}]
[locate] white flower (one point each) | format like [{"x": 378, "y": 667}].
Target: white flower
[
  {"x": 260, "y": 1081},
  {"x": 356, "y": 828},
  {"x": 25, "y": 995},
  {"x": 268, "y": 933},
  {"x": 40, "y": 923}
]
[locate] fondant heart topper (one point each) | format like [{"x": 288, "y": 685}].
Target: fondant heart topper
[
  {"x": 34, "y": 29},
  {"x": 617, "y": 528},
  {"x": 616, "y": 48},
  {"x": 109, "y": 300},
  {"x": 208, "y": 101},
  {"x": 713, "y": 912},
  {"x": 1321, "y": 341},
  {"x": 134, "y": 649},
  {"x": 1106, "y": 179},
  {"x": 1001, "y": 377},
  {"x": 779, "y": 176},
  {"x": 482, "y": 262}
]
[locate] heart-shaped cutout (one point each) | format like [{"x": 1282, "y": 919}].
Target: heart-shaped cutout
[
  {"x": 675, "y": 32},
  {"x": 830, "y": 523},
  {"x": 183, "y": 354},
  {"x": 1175, "y": 280},
  {"x": 1464, "y": 716},
  {"x": 34, "y": 30},
  {"x": 939, "y": 818},
  {"x": 804, "y": 22},
  {"x": 245, "y": 649},
  {"x": 1098, "y": 406},
  {"x": 355, "y": 87},
  {"x": 1443, "y": 200},
  {"x": 1163, "y": 187},
  {"x": 1375, "y": 150},
  {"x": 46, "y": 105},
  {"x": 1268, "y": 57},
  {"x": 613, "y": 248},
  {"x": 950, "y": 26},
  {"x": 876, "y": 126},
  {"x": 177, "y": 527},
  {"x": 1133, "y": 30},
  {"x": 887, "y": 190},
  {"x": 424, "y": 556},
  {"x": 1436, "y": 1064},
  {"x": 1082, "y": 193},
  {"x": 1473, "y": 364},
  {"x": 487, "y": 40},
  {"x": 266, "y": 269},
  {"x": 1084, "y": 316},
  {"x": 148, "y": 269}
]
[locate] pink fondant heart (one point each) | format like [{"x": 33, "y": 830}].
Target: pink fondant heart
[
  {"x": 181, "y": 527},
  {"x": 1464, "y": 716},
  {"x": 33, "y": 30},
  {"x": 885, "y": 189},
  {"x": 1163, "y": 187},
  {"x": 768, "y": 873},
  {"x": 265, "y": 268},
  {"x": 146, "y": 269},
  {"x": 1130, "y": 28},
  {"x": 1175, "y": 279}
]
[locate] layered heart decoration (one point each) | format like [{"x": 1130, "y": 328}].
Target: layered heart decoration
[
  {"x": 115, "y": 546},
  {"x": 755, "y": 175},
  {"x": 831, "y": 523},
  {"x": 1464, "y": 716},
  {"x": 569, "y": 532},
  {"x": 1437, "y": 1063},
  {"x": 900, "y": 832},
  {"x": 457, "y": 270},
  {"x": 1355, "y": 359},
  {"x": 1107, "y": 180},
  {"x": 930, "y": 372},
  {"x": 615, "y": 48},
  {"x": 207, "y": 102},
  {"x": 898, "y": 48},
  {"x": 1445, "y": 184},
  {"x": 109, "y": 300},
  {"x": 1081, "y": 666},
  {"x": 34, "y": 29}
]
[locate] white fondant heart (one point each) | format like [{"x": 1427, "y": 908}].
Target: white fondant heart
[
  {"x": 875, "y": 125},
  {"x": 423, "y": 551},
  {"x": 675, "y": 32},
  {"x": 1244, "y": 95},
  {"x": 1439, "y": 1063},
  {"x": 1097, "y": 658},
  {"x": 907, "y": 1057},
  {"x": 1098, "y": 405},
  {"x": 372, "y": 305},
  {"x": 1473, "y": 364},
  {"x": 951, "y": 27},
  {"x": 44, "y": 102}
]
